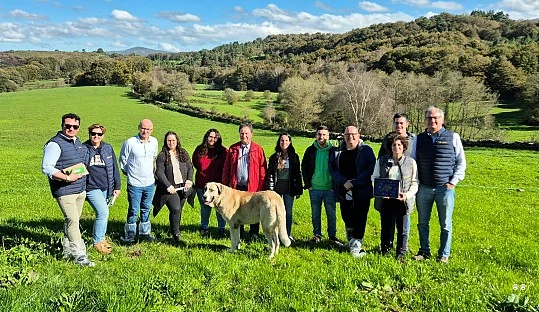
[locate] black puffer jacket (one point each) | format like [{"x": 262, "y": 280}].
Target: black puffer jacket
[{"x": 296, "y": 187}]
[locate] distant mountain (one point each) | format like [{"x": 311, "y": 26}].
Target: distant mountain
[{"x": 137, "y": 51}]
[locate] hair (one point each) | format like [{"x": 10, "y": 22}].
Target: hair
[
  {"x": 70, "y": 116},
  {"x": 395, "y": 137},
  {"x": 203, "y": 150},
  {"x": 399, "y": 115},
  {"x": 96, "y": 126},
  {"x": 322, "y": 127},
  {"x": 434, "y": 108},
  {"x": 181, "y": 153},
  {"x": 280, "y": 155},
  {"x": 243, "y": 125}
]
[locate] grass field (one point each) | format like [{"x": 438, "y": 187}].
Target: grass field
[{"x": 494, "y": 262}]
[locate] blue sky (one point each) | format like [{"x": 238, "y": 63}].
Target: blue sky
[{"x": 192, "y": 25}]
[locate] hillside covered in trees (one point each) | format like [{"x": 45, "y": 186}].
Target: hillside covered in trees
[{"x": 488, "y": 47}]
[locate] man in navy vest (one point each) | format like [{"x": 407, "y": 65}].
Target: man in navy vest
[
  {"x": 441, "y": 165},
  {"x": 67, "y": 187}
]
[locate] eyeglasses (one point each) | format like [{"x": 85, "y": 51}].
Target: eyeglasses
[
  {"x": 96, "y": 133},
  {"x": 432, "y": 117},
  {"x": 68, "y": 126}
]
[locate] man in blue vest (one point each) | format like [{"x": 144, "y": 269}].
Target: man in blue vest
[
  {"x": 441, "y": 165},
  {"x": 62, "y": 151}
]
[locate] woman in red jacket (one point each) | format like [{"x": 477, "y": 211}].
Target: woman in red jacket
[{"x": 209, "y": 159}]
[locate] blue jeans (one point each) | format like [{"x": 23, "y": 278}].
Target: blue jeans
[
  {"x": 205, "y": 213},
  {"x": 140, "y": 200},
  {"x": 445, "y": 202},
  {"x": 317, "y": 197},
  {"x": 98, "y": 201},
  {"x": 288, "y": 203}
]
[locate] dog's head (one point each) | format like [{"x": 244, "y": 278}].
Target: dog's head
[{"x": 212, "y": 191}]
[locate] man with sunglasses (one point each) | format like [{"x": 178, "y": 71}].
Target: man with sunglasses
[
  {"x": 137, "y": 161},
  {"x": 63, "y": 151}
]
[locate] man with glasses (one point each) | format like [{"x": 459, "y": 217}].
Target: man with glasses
[
  {"x": 245, "y": 168},
  {"x": 441, "y": 165},
  {"x": 351, "y": 167},
  {"x": 63, "y": 152},
  {"x": 316, "y": 179},
  {"x": 137, "y": 161}
]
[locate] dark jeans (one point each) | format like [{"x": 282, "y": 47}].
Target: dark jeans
[
  {"x": 175, "y": 207},
  {"x": 253, "y": 228},
  {"x": 393, "y": 213},
  {"x": 354, "y": 214}
]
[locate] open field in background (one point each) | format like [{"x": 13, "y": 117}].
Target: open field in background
[
  {"x": 213, "y": 100},
  {"x": 508, "y": 117},
  {"x": 495, "y": 246}
]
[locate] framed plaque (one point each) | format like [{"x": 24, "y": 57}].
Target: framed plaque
[{"x": 386, "y": 188}]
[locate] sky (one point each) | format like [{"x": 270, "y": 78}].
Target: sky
[{"x": 193, "y": 25}]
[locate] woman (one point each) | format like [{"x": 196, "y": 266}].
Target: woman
[
  {"x": 209, "y": 160},
  {"x": 396, "y": 211},
  {"x": 102, "y": 184},
  {"x": 284, "y": 175},
  {"x": 174, "y": 175}
]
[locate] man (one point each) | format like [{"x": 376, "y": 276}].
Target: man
[
  {"x": 400, "y": 127},
  {"x": 441, "y": 165},
  {"x": 316, "y": 179},
  {"x": 137, "y": 161},
  {"x": 351, "y": 167},
  {"x": 63, "y": 151},
  {"x": 245, "y": 168}
]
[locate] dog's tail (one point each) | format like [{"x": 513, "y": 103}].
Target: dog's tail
[{"x": 281, "y": 218}]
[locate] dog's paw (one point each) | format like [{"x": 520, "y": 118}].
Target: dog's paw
[{"x": 231, "y": 249}]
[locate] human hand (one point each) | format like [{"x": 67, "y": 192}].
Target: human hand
[
  {"x": 449, "y": 186},
  {"x": 116, "y": 193},
  {"x": 171, "y": 189},
  {"x": 402, "y": 196},
  {"x": 188, "y": 185},
  {"x": 348, "y": 185}
]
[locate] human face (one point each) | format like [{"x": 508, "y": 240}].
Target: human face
[
  {"x": 351, "y": 137},
  {"x": 322, "y": 137},
  {"x": 245, "y": 135},
  {"x": 434, "y": 120},
  {"x": 172, "y": 143},
  {"x": 145, "y": 129},
  {"x": 400, "y": 125},
  {"x": 68, "y": 128},
  {"x": 284, "y": 142},
  {"x": 96, "y": 136},
  {"x": 397, "y": 149},
  {"x": 212, "y": 139}
]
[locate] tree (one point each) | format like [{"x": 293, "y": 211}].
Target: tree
[
  {"x": 269, "y": 112},
  {"x": 230, "y": 96},
  {"x": 249, "y": 95},
  {"x": 302, "y": 98},
  {"x": 267, "y": 94}
]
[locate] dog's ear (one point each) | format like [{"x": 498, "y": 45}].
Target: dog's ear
[{"x": 219, "y": 189}]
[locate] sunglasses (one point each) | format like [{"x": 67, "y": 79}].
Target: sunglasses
[
  {"x": 68, "y": 126},
  {"x": 96, "y": 133}
]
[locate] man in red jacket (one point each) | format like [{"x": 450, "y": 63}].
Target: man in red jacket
[{"x": 245, "y": 167}]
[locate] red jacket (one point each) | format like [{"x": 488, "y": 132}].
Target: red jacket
[{"x": 257, "y": 167}]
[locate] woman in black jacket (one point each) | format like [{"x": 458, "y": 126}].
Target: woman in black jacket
[
  {"x": 174, "y": 176},
  {"x": 284, "y": 175}
]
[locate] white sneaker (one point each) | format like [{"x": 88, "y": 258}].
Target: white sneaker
[
  {"x": 84, "y": 261},
  {"x": 355, "y": 248}
]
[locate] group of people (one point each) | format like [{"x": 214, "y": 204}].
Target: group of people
[{"x": 427, "y": 166}]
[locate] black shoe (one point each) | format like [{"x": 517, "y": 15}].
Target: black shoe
[
  {"x": 204, "y": 232},
  {"x": 147, "y": 238},
  {"x": 221, "y": 233},
  {"x": 421, "y": 256},
  {"x": 336, "y": 241}
]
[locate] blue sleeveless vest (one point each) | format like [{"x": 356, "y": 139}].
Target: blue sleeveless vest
[
  {"x": 435, "y": 160},
  {"x": 72, "y": 153}
]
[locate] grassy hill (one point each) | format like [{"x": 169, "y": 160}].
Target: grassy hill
[{"x": 495, "y": 244}]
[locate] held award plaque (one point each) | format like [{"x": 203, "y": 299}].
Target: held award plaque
[{"x": 386, "y": 188}]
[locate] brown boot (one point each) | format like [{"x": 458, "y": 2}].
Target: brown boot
[{"x": 103, "y": 247}]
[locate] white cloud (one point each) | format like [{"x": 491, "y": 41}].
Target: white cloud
[
  {"x": 238, "y": 9},
  {"x": 168, "y": 47},
  {"x": 121, "y": 15},
  {"x": 25, "y": 15},
  {"x": 372, "y": 7},
  {"x": 11, "y": 33},
  {"x": 179, "y": 17},
  {"x": 92, "y": 20},
  {"x": 519, "y": 9}
]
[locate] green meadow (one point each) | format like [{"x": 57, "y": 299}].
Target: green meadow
[{"x": 494, "y": 265}]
